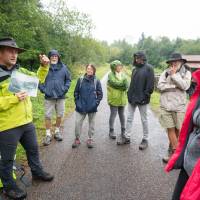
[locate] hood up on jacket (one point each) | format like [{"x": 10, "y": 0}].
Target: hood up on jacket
[
  {"x": 59, "y": 65},
  {"x": 187, "y": 125},
  {"x": 114, "y": 64},
  {"x": 54, "y": 52},
  {"x": 139, "y": 54}
]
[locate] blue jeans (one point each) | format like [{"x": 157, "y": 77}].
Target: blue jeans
[{"x": 9, "y": 139}]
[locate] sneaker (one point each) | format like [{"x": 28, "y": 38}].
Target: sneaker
[
  {"x": 47, "y": 140},
  {"x": 14, "y": 192},
  {"x": 112, "y": 134},
  {"x": 43, "y": 176},
  {"x": 76, "y": 143},
  {"x": 90, "y": 143},
  {"x": 58, "y": 136},
  {"x": 143, "y": 145}
]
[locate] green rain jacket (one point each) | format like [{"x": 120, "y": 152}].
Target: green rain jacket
[
  {"x": 14, "y": 113},
  {"x": 116, "y": 88}
]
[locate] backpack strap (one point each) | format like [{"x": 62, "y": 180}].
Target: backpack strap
[
  {"x": 81, "y": 81},
  {"x": 95, "y": 83}
]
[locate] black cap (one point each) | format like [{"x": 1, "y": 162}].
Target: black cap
[
  {"x": 10, "y": 42},
  {"x": 176, "y": 57}
]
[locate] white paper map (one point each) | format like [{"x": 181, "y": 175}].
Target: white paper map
[{"x": 20, "y": 82}]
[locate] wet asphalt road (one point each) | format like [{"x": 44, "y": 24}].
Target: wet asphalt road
[{"x": 107, "y": 172}]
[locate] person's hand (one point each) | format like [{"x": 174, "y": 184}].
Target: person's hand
[
  {"x": 21, "y": 95},
  {"x": 173, "y": 70},
  {"x": 44, "y": 60}
]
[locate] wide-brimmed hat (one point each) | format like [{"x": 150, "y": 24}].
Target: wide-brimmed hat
[
  {"x": 176, "y": 57},
  {"x": 10, "y": 42}
]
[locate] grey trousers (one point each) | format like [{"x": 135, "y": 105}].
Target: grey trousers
[
  {"x": 143, "y": 115},
  {"x": 113, "y": 113},
  {"x": 79, "y": 123}
]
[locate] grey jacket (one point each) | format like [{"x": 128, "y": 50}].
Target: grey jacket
[
  {"x": 173, "y": 90},
  {"x": 192, "y": 151}
]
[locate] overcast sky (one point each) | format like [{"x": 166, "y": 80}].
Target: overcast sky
[{"x": 118, "y": 19}]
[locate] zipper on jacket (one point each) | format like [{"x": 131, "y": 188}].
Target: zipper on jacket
[{"x": 25, "y": 109}]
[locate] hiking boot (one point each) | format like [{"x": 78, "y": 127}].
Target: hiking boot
[
  {"x": 43, "y": 176},
  {"x": 112, "y": 134},
  {"x": 14, "y": 192},
  {"x": 76, "y": 143},
  {"x": 123, "y": 131},
  {"x": 90, "y": 143},
  {"x": 58, "y": 136},
  {"x": 123, "y": 140},
  {"x": 47, "y": 140},
  {"x": 167, "y": 158},
  {"x": 143, "y": 145}
]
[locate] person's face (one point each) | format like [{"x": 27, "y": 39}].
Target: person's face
[
  {"x": 89, "y": 71},
  {"x": 139, "y": 60},
  {"x": 54, "y": 59},
  {"x": 175, "y": 64},
  {"x": 8, "y": 56},
  {"x": 118, "y": 68}
]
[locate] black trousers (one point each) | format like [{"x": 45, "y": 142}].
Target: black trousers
[
  {"x": 180, "y": 184},
  {"x": 9, "y": 139}
]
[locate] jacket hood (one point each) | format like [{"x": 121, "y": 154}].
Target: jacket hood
[
  {"x": 58, "y": 66},
  {"x": 4, "y": 73},
  {"x": 140, "y": 54},
  {"x": 54, "y": 52},
  {"x": 92, "y": 77},
  {"x": 114, "y": 64},
  {"x": 196, "y": 77}
]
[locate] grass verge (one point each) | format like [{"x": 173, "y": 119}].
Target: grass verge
[{"x": 155, "y": 102}]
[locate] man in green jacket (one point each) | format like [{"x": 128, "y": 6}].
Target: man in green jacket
[{"x": 16, "y": 120}]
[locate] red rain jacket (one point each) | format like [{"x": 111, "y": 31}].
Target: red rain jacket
[{"x": 191, "y": 190}]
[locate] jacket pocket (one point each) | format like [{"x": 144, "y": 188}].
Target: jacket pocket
[
  {"x": 48, "y": 91},
  {"x": 92, "y": 107},
  {"x": 79, "y": 105},
  {"x": 59, "y": 89}
]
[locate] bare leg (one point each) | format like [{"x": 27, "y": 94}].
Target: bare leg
[
  {"x": 172, "y": 137},
  {"x": 173, "y": 141},
  {"x": 58, "y": 122},
  {"x": 48, "y": 124},
  {"x": 177, "y": 133}
]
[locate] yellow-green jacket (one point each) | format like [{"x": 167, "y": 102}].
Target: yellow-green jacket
[
  {"x": 14, "y": 113},
  {"x": 117, "y": 90}
]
